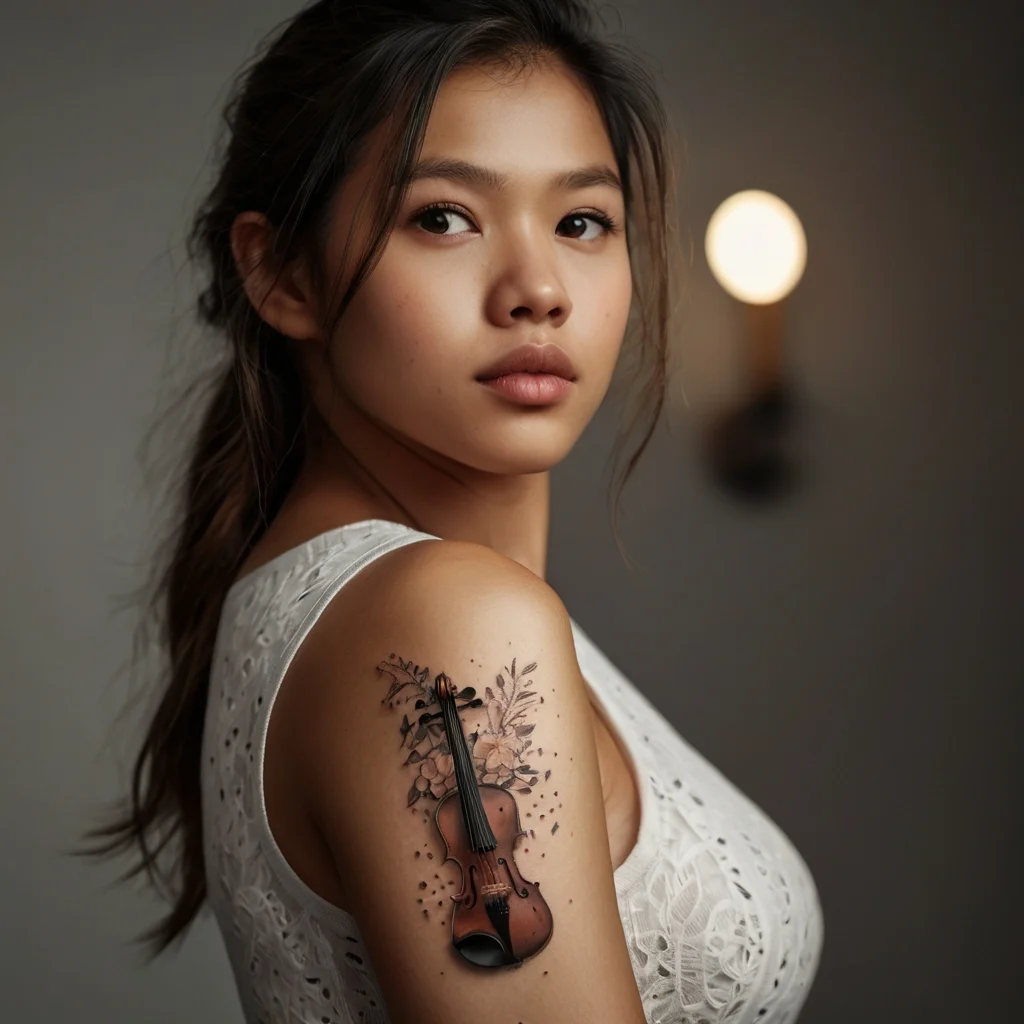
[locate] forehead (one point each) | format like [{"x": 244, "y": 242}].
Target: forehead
[{"x": 540, "y": 119}]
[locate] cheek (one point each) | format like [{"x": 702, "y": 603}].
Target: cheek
[
  {"x": 399, "y": 345},
  {"x": 621, "y": 296},
  {"x": 608, "y": 298}
]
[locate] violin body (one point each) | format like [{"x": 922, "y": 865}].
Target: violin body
[{"x": 499, "y": 918}]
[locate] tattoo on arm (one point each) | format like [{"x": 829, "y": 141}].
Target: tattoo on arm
[{"x": 499, "y": 737}]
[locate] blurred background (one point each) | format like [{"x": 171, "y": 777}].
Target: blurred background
[{"x": 849, "y": 654}]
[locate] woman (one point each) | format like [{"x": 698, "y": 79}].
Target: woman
[{"x": 406, "y": 781}]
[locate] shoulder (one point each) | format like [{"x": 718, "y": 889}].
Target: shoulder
[
  {"x": 436, "y": 592},
  {"x": 460, "y": 564},
  {"x": 443, "y": 606}
]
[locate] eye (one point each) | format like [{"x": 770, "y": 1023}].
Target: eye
[
  {"x": 437, "y": 218},
  {"x": 606, "y": 224}
]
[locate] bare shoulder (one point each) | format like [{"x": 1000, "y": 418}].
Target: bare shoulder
[
  {"x": 471, "y": 569},
  {"x": 447, "y": 757}
]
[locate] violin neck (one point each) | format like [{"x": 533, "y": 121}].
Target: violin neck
[{"x": 478, "y": 828}]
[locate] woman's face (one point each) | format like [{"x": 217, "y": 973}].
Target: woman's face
[{"x": 457, "y": 289}]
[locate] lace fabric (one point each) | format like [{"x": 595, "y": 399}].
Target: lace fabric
[{"x": 719, "y": 911}]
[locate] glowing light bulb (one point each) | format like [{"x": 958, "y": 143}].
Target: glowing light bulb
[{"x": 756, "y": 247}]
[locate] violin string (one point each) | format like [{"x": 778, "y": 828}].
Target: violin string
[{"x": 479, "y": 829}]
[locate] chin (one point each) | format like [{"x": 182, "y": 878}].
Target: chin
[
  {"x": 527, "y": 444},
  {"x": 527, "y": 455}
]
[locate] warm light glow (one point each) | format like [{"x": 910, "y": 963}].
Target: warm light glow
[{"x": 756, "y": 247}]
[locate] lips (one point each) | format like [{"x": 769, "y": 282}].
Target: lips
[{"x": 532, "y": 359}]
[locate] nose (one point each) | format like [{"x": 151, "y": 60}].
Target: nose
[{"x": 534, "y": 294}]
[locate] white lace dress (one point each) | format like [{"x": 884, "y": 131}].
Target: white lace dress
[{"x": 719, "y": 911}]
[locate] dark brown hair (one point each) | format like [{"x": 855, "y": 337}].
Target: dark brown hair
[{"x": 295, "y": 123}]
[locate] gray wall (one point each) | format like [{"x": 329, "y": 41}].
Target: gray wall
[{"x": 847, "y": 657}]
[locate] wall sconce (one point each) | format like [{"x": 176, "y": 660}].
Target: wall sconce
[{"x": 757, "y": 250}]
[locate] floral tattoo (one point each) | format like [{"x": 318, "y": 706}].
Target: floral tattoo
[{"x": 498, "y": 749}]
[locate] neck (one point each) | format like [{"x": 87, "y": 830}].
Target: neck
[{"x": 357, "y": 470}]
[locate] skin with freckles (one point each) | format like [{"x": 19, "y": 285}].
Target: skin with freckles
[{"x": 405, "y": 431}]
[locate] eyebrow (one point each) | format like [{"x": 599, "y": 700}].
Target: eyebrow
[{"x": 485, "y": 177}]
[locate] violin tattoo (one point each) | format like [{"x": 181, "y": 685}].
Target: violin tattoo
[{"x": 498, "y": 918}]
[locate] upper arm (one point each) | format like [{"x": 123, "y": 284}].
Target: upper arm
[{"x": 374, "y": 779}]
